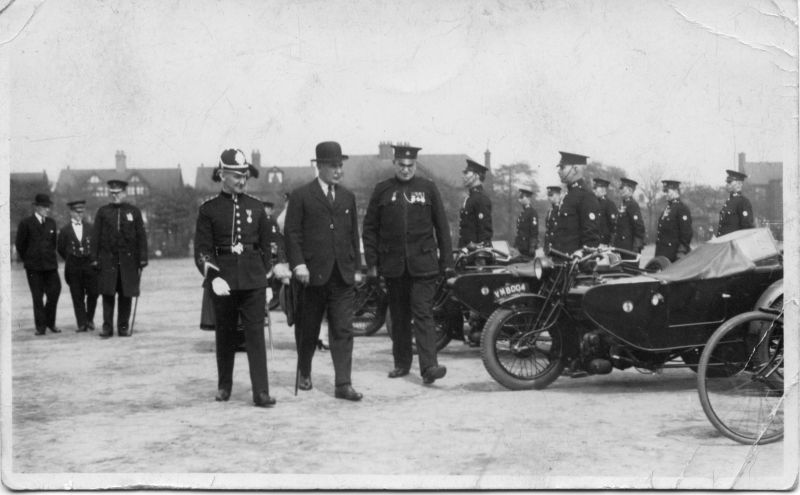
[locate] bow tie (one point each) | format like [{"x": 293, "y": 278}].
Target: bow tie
[{"x": 76, "y": 223}]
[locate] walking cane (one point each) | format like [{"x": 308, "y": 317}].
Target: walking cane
[
  {"x": 296, "y": 287},
  {"x": 136, "y": 302}
]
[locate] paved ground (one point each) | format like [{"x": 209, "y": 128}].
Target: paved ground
[{"x": 87, "y": 412}]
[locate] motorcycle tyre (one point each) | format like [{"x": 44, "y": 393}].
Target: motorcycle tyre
[
  {"x": 381, "y": 317},
  {"x": 490, "y": 332}
]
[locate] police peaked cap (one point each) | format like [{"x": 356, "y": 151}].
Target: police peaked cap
[
  {"x": 601, "y": 183},
  {"x": 671, "y": 184},
  {"x": 734, "y": 175},
  {"x": 473, "y": 166},
  {"x": 571, "y": 159},
  {"x": 551, "y": 189},
  {"x": 77, "y": 204},
  {"x": 403, "y": 152},
  {"x": 628, "y": 182},
  {"x": 527, "y": 190},
  {"x": 116, "y": 185}
]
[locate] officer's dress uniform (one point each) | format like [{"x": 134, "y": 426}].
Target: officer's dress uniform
[
  {"x": 737, "y": 214},
  {"x": 577, "y": 220},
  {"x": 120, "y": 249},
  {"x": 606, "y": 219},
  {"x": 406, "y": 235},
  {"x": 232, "y": 241},
  {"x": 527, "y": 238},
  {"x": 475, "y": 219},
  {"x": 550, "y": 224},
  {"x": 75, "y": 247},
  {"x": 674, "y": 230},
  {"x": 36, "y": 245},
  {"x": 630, "y": 232}
]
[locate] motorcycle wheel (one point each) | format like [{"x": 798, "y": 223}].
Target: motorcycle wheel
[
  {"x": 370, "y": 308},
  {"x": 533, "y": 364}
]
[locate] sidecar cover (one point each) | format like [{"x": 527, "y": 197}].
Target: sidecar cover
[{"x": 681, "y": 306}]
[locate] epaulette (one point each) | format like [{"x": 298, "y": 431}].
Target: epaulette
[{"x": 208, "y": 199}]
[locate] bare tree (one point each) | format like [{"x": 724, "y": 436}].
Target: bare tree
[
  {"x": 650, "y": 187},
  {"x": 506, "y": 180}
]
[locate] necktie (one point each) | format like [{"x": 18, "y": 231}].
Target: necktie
[{"x": 330, "y": 193}]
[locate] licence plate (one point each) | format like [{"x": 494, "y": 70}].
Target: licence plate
[{"x": 510, "y": 289}]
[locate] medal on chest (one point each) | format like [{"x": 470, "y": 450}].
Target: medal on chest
[{"x": 249, "y": 215}]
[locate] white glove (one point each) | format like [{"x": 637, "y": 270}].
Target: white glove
[
  {"x": 358, "y": 277},
  {"x": 302, "y": 274},
  {"x": 220, "y": 287},
  {"x": 269, "y": 294},
  {"x": 281, "y": 271}
]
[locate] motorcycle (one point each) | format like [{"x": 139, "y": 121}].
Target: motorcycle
[{"x": 588, "y": 317}]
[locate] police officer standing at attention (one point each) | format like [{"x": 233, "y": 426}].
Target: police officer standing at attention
[
  {"x": 475, "y": 218},
  {"x": 36, "y": 246},
  {"x": 323, "y": 247},
  {"x": 120, "y": 253},
  {"x": 407, "y": 240},
  {"x": 232, "y": 251},
  {"x": 551, "y": 219},
  {"x": 577, "y": 214},
  {"x": 527, "y": 238},
  {"x": 75, "y": 245},
  {"x": 630, "y": 232},
  {"x": 737, "y": 214},
  {"x": 675, "y": 225},
  {"x": 607, "y": 213}
]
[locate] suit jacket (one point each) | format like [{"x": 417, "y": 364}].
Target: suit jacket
[
  {"x": 319, "y": 234},
  {"x": 36, "y": 243},
  {"x": 120, "y": 245}
]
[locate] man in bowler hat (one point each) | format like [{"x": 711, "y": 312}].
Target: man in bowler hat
[
  {"x": 577, "y": 214},
  {"x": 232, "y": 251},
  {"x": 36, "y": 246},
  {"x": 475, "y": 217},
  {"x": 120, "y": 253},
  {"x": 407, "y": 240},
  {"x": 75, "y": 242},
  {"x": 675, "y": 224},
  {"x": 323, "y": 248},
  {"x": 737, "y": 213}
]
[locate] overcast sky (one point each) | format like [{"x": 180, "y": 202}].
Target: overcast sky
[{"x": 685, "y": 85}]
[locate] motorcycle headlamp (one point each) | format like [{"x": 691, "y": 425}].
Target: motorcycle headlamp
[{"x": 541, "y": 266}]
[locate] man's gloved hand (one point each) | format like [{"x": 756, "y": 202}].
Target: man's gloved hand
[
  {"x": 302, "y": 274},
  {"x": 358, "y": 277},
  {"x": 281, "y": 271},
  {"x": 269, "y": 294},
  {"x": 220, "y": 287}
]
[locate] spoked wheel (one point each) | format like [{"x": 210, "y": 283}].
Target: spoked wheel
[
  {"x": 517, "y": 358},
  {"x": 369, "y": 309},
  {"x": 744, "y": 401}
]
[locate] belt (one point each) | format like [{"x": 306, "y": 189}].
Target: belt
[{"x": 228, "y": 249}]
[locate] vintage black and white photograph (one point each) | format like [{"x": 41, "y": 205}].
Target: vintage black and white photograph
[{"x": 399, "y": 245}]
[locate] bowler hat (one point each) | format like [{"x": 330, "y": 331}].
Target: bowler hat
[
  {"x": 329, "y": 152},
  {"x": 571, "y": 159},
  {"x": 42, "y": 200},
  {"x": 405, "y": 154},
  {"x": 734, "y": 175}
]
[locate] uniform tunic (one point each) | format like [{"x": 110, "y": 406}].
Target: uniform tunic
[
  {"x": 674, "y": 230},
  {"x": 78, "y": 272},
  {"x": 551, "y": 222},
  {"x": 577, "y": 220},
  {"x": 630, "y": 231},
  {"x": 527, "y": 238},
  {"x": 737, "y": 214},
  {"x": 119, "y": 248},
  {"x": 606, "y": 219},
  {"x": 475, "y": 219}
]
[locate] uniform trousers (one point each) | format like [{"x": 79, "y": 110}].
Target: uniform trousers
[
  {"x": 336, "y": 299},
  {"x": 44, "y": 284},
  {"x": 124, "y": 311},
  {"x": 412, "y": 297},
  {"x": 82, "y": 281},
  {"x": 249, "y": 306}
]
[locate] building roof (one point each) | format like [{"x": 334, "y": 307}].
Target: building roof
[
  {"x": 159, "y": 179},
  {"x": 28, "y": 177},
  {"x": 763, "y": 172}
]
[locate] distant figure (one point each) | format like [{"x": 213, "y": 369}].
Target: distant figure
[
  {"x": 607, "y": 212},
  {"x": 630, "y": 231},
  {"x": 675, "y": 225},
  {"x": 737, "y": 214},
  {"x": 577, "y": 214},
  {"x": 36, "y": 246},
  {"x": 120, "y": 253},
  {"x": 551, "y": 219},
  {"x": 527, "y": 238},
  {"x": 475, "y": 217},
  {"x": 75, "y": 246},
  {"x": 282, "y": 216}
]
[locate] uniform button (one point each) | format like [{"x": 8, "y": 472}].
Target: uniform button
[{"x": 330, "y": 226}]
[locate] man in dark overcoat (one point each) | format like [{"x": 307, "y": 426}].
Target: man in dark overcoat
[
  {"x": 475, "y": 217},
  {"x": 232, "y": 251},
  {"x": 75, "y": 245},
  {"x": 527, "y": 237},
  {"x": 577, "y": 214},
  {"x": 551, "y": 218},
  {"x": 323, "y": 248},
  {"x": 407, "y": 241},
  {"x": 675, "y": 224},
  {"x": 120, "y": 254},
  {"x": 630, "y": 231},
  {"x": 36, "y": 246},
  {"x": 737, "y": 213},
  {"x": 607, "y": 211}
]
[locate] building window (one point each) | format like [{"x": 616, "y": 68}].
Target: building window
[
  {"x": 94, "y": 179},
  {"x": 276, "y": 176},
  {"x": 100, "y": 191}
]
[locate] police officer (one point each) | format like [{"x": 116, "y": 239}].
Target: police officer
[
  {"x": 475, "y": 218},
  {"x": 407, "y": 240},
  {"x": 630, "y": 232},
  {"x": 36, "y": 246},
  {"x": 737, "y": 214},
  {"x": 675, "y": 224},
  {"x": 527, "y": 239},
  {"x": 551, "y": 219},
  {"x": 232, "y": 251},
  {"x": 120, "y": 253},
  {"x": 577, "y": 214},
  {"x": 75, "y": 245},
  {"x": 607, "y": 213}
]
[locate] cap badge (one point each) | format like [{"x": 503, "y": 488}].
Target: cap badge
[{"x": 591, "y": 215}]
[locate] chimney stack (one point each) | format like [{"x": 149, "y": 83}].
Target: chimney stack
[
  {"x": 256, "y": 158},
  {"x": 121, "y": 165},
  {"x": 741, "y": 162},
  {"x": 385, "y": 150},
  {"x": 487, "y": 159}
]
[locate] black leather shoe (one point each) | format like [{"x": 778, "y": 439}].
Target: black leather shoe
[
  {"x": 433, "y": 373},
  {"x": 347, "y": 392},
  {"x": 106, "y": 333},
  {"x": 55, "y": 329},
  {"x": 264, "y": 400},
  {"x": 304, "y": 383},
  {"x": 222, "y": 395},
  {"x": 90, "y": 325},
  {"x": 40, "y": 331},
  {"x": 398, "y": 372},
  {"x": 81, "y": 328},
  {"x": 124, "y": 332}
]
